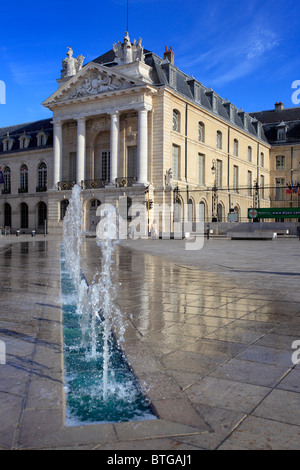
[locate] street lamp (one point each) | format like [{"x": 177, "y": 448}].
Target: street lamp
[{"x": 214, "y": 194}]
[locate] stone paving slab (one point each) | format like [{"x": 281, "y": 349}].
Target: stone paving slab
[{"x": 209, "y": 337}]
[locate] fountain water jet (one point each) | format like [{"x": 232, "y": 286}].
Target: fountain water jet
[{"x": 96, "y": 314}]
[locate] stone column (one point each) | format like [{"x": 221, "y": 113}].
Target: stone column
[
  {"x": 142, "y": 147},
  {"x": 80, "y": 163},
  {"x": 57, "y": 138},
  {"x": 114, "y": 147}
]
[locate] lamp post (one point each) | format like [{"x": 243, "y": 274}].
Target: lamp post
[
  {"x": 214, "y": 194},
  {"x": 256, "y": 195},
  {"x": 176, "y": 192}
]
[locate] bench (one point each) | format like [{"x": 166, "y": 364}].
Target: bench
[{"x": 252, "y": 235}]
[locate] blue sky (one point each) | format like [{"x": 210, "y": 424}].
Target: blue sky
[{"x": 247, "y": 52}]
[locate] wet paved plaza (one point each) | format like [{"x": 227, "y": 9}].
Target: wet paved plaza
[{"x": 209, "y": 335}]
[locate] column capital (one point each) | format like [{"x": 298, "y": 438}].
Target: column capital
[
  {"x": 144, "y": 107},
  {"x": 113, "y": 113},
  {"x": 81, "y": 119},
  {"x": 57, "y": 122}
]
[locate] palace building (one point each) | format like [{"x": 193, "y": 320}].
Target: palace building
[{"x": 130, "y": 126}]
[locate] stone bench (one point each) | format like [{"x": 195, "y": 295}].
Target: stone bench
[{"x": 252, "y": 235}]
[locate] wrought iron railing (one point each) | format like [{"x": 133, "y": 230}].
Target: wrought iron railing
[
  {"x": 41, "y": 189},
  {"x": 125, "y": 182},
  {"x": 65, "y": 185},
  {"x": 6, "y": 191},
  {"x": 94, "y": 184},
  {"x": 23, "y": 190}
]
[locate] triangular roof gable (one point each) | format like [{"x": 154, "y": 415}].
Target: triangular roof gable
[{"x": 91, "y": 81}]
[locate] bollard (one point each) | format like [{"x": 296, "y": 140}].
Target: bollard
[
  {"x": 17, "y": 233},
  {"x": 33, "y": 233}
]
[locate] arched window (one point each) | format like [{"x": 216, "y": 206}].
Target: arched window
[
  {"x": 219, "y": 140},
  {"x": 7, "y": 215},
  {"x": 201, "y": 132},
  {"x": 176, "y": 120},
  {"x": 236, "y": 148},
  {"x": 24, "y": 215},
  {"x": 63, "y": 208},
  {"x": 220, "y": 212},
  {"x": 24, "y": 179},
  {"x": 42, "y": 177},
  {"x": 7, "y": 180},
  {"x": 202, "y": 211},
  {"x": 249, "y": 154},
  {"x": 41, "y": 213}
]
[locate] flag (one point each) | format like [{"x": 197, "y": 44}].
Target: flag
[{"x": 288, "y": 188}]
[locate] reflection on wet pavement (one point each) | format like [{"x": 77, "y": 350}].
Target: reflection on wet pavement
[{"x": 211, "y": 347}]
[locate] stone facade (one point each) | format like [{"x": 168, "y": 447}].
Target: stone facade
[{"x": 131, "y": 125}]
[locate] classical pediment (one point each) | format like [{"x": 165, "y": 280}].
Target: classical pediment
[{"x": 91, "y": 81}]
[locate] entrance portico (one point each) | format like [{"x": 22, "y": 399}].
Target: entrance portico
[{"x": 116, "y": 170}]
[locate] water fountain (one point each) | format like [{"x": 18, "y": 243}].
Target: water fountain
[{"x": 100, "y": 386}]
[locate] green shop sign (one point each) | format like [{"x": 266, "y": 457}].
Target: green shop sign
[{"x": 275, "y": 213}]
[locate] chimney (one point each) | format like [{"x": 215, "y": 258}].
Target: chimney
[
  {"x": 279, "y": 106},
  {"x": 169, "y": 54}
]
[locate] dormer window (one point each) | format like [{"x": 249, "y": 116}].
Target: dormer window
[
  {"x": 173, "y": 78},
  {"x": 281, "y": 131},
  {"x": 197, "y": 92},
  {"x": 24, "y": 141},
  {"x": 7, "y": 143},
  {"x": 42, "y": 138}
]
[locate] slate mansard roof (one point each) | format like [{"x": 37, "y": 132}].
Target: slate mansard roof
[
  {"x": 272, "y": 119},
  {"x": 166, "y": 74},
  {"x": 31, "y": 129}
]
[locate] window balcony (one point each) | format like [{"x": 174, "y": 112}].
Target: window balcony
[
  {"x": 23, "y": 190},
  {"x": 65, "y": 185},
  {"x": 41, "y": 189},
  {"x": 94, "y": 184},
  {"x": 125, "y": 182}
]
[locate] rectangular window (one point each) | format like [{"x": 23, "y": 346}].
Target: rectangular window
[
  {"x": 132, "y": 161},
  {"x": 250, "y": 183},
  {"x": 249, "y": 154},
  {"x": 280, "y": 162},
  {"x": 175, "y": 162},
  {"x": 280, "y": 189},
  {"x": 219, "y": 174},
  {"x": 201, "y": 169},
  {"x": 236, "y": 179},
  {"x": 105, "y": 165}
]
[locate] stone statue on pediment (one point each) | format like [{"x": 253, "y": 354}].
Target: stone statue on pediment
[
  {"x": 125, "y": 52},
  {"x": 70, "y": 65}
]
